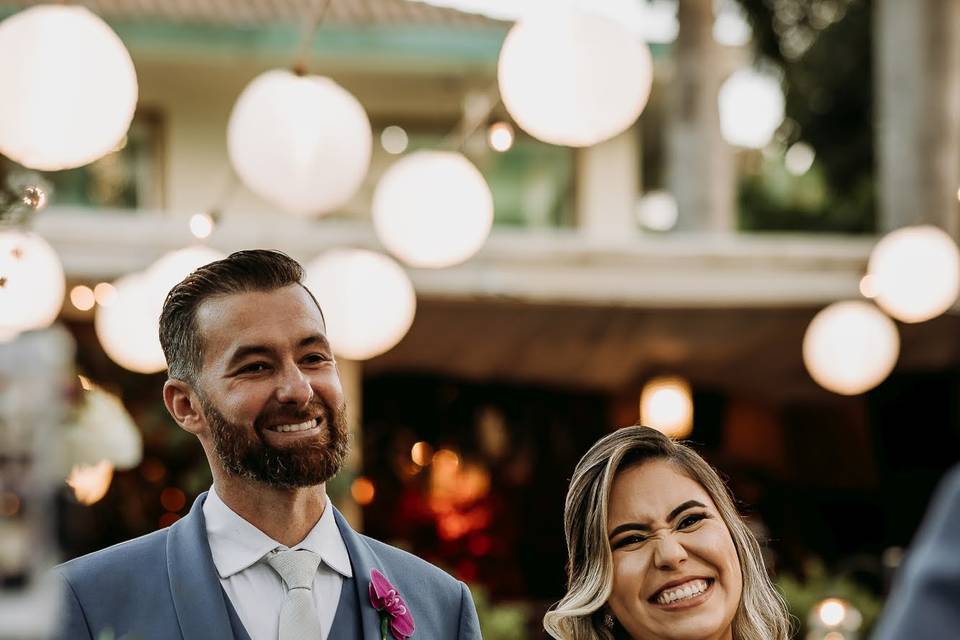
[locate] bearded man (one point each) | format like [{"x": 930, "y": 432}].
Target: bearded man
[{"x": 263, "y": 554}]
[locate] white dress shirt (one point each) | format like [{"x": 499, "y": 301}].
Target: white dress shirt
[{"x": 254, "y": 588}]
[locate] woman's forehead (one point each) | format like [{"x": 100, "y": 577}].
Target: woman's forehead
[{"x": 651, "y": 490}]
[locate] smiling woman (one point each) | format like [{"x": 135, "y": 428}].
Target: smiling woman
[{"x": 657, "y": 550}]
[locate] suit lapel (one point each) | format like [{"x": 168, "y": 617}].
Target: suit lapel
[
  {"x": 194, "y": 584},
  {"x": 362, "y": 559}
]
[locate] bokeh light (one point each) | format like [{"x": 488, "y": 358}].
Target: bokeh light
[
  {"x": 752, "y": 107},
  {"x": 32, "y": 284},
  {"x": 421, "y": 453},
  {"x": 799, "y": 158},
  {"x": 201, "y": 225},
  {"x": 363, "y": 491},
  {"x": 367, "y": 299},
  {"x": 666, "y": 404},
  {"x": 90, "y": 482},
  {"x": 850, "y": 347},
  {"x": 394, "y": 139},
  {"x": 916, "y": 273},
  {"x": 302, "y": 143},
  {"x": 82, "y": 298},
  {"x": 432, "y": 209},
  {"x": 75, "y": 87},
  {"x": 573, "y": 79},
  {"x": 658, "y": 211},
  {"x": 500, "y": 136},
  {"x": 105, "y": 294}
]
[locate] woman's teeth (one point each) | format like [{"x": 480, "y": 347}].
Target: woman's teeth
[
  {"x": 303, "y": 426},
  {"x": 683, "y": 592}
]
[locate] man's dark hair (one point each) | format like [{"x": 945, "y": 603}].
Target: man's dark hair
[{"x": 240, "y": 272}]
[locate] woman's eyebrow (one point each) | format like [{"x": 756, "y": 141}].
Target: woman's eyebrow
[{"x": 644, "y": 526}]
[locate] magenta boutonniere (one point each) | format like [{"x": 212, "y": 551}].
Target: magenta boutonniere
[{"x": 394, "y": 613}]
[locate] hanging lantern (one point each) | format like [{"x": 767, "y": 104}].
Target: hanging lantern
[
  {"x": 915, "y": 273},
  {"x": 432, "y": 209},
  {"x": 367, "y": 299},
  {"x": 128, "y": 327},
  {"x": 302, "y": 143},
  {"x": 752, "y": 107},
  {"x": 573, "y": 79},
  {"x": 850, "y": 347},
  {"x": 69, "y": 87},
  {"x": 666, "y": 404},
  {"x": 32, "y": 285}
]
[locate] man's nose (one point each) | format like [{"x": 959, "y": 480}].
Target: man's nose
[
  {"x": 294, "y": 387},
  {"x": 669, "y": 553}
]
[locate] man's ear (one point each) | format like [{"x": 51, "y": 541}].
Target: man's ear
[{"x": 183, "y": 405}]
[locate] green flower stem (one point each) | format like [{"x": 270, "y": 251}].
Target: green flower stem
[{"x": 384, "y": 624}]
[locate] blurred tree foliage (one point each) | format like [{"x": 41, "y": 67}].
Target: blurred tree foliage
[{"x": 824, "y": 50}]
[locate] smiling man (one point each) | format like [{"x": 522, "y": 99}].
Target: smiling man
[{"x": 262, "y": 555}]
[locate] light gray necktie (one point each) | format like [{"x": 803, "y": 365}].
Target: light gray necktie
[{"x": 298, "y": 617}]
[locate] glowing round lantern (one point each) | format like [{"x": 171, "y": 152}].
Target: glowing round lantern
[
  {"x": 367, "y": 299},
  {"x": 432, "y": 209},
  {"x": 127, "y": 327},
  {"x": 300, "y": 142},
  {"x": 173, "y": 267},
  {"x": 915, "y": 273},
  {"x": 850, "y": 347},
  {"x": 69, "y": 87},
  {"x": 752, "y": 107},
  {"x": 666, "y": 404},
  {"x": 573, "y": 79},
  {"x": 32, "y": 285}
]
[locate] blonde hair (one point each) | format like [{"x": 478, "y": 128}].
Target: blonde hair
[{"x": 761, "y": 615}]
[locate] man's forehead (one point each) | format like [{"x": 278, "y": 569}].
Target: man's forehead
[{"x": 226, "y": 320}]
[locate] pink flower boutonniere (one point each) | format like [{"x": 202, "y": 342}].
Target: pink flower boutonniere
[{"x": 394, "y": 613}]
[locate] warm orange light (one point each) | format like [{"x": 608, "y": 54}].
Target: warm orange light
[
  {"x": 173, "y": 499},
  {"x": 832, "y": 611},
  {"x": 868, "y": 288},
  {"x": 90, "y": 482},
  {"x": 82, "y": 297},
  {"x": 421, "y": 453},
  {"x": 500, "y": 136},
  {"x": 153, "y": 470},
  {"x": 363, "y": 491},
  {"x": 85, "y": 383}
]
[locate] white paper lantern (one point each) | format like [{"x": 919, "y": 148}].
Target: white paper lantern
[
  {"x": 432, "y": 209},
  {"x": 32, "y": 285},
  {"x": 173, "y": 267},
  {"x": 367, "y": 299},
  {"x": 752, "y": 107},
  {"x": 128, "y": 328},
  {"x": 850, "y": 347},
  {"x": 69, "y": 87},
  {"x": 300, "y": 142},
  {"x": 666, "y": 404},
  {"x": 915, "y": 273},
  {"x": 103, "y": 430},
  {"x": 573, "y": 79}
]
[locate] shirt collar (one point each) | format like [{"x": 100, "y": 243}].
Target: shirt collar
[{"x": 235, "y": 544}]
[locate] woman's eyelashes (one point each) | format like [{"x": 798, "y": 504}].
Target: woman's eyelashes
[
  {"x": 686, "y": 522},
  {"x": 625, "y": 541},
  {"x": 690, "y": 520}
]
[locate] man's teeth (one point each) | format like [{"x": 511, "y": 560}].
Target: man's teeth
[
  {"x": 303, "y": 426},
  {"x": 682, "y": 592}
]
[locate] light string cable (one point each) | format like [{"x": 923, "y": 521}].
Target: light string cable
[{"x": 477, "y": 107}]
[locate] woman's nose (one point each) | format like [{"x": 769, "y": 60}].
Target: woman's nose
[{"x": 669, "y": 553}]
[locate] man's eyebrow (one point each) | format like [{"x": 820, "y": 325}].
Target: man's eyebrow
[
  {"x": 315, "y": 339},
  {"x": 246, "y": 351},
  {"x": 645, "y": 526}
]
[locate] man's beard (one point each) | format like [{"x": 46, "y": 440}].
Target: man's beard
[{"x": 247, "y": 455}]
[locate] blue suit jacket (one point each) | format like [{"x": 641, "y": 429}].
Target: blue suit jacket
[
  {"x": 164, "y": 585},
  {"x": 925, "y": 603}
]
